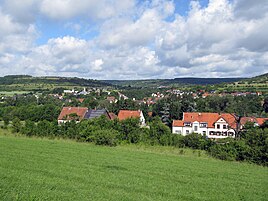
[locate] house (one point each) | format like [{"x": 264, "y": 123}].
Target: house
[
  {"x": 72, "y": 113},
  {"x": 255, "y": 120},
  {"x": 125, "y": 114},
  {"x": 213, "y": 125},
  {"x": 96, "y": 113}
]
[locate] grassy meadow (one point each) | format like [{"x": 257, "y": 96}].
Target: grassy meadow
[{"x": 43, "y": 169}]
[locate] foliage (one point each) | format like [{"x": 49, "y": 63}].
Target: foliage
[
  {"x": 196, "y": 141},
  {"x": 105, "y": 137},
  {"x": 16, "y": 125}
]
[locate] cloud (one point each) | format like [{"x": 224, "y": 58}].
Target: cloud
[{"x": 134, "y": 39}]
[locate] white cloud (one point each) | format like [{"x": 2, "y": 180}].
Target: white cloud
[{"x": 144, "y": 39}]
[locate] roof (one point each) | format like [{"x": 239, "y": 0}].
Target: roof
[
  {"x": 125, "y": 114},
  {"x": 81, "y": 100},
  {"x": 244, "y": 120},
  {"x": 66, "y": 111},
  {"x": 209, "y": 118},
  {"x": 95, "y": 113},
  {"x": 177, "y": 123},
  {"x": 260, "y": 121}
]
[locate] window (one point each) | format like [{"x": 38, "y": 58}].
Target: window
[
  {"x": 231, "y": 134},
  {"x": 203, "y": 125},
  {"x": 218, "y": 133},
  {"x": 187, "y": 131},
  {"x": 224, "y": 127},
  {"x": 187, "y": 123},
  {"x": 178, "y": 131},
  {"x": 218, "y": 126},
  {"x": 204, "y": 132},
  {"x": 195, "y": 128},
  {"x": 211, "y": 133},
  {"x": 224, "y": 134}
]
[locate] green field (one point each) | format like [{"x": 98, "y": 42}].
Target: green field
[{"x": 42, "y": 169}]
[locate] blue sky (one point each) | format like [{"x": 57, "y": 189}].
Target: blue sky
[{"x": 131, "y": 39}]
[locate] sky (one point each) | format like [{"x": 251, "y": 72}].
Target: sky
[{"x": 134, "y": 39}]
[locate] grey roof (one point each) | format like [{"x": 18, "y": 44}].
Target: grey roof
[{"x": 95, "y": 113}]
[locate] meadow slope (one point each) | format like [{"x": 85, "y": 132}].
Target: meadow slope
[{"x": 42, "y": 169}]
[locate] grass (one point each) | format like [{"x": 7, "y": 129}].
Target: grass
[
  {"x": 12, "y": 93},
  {"x": 42, "y": 169}
]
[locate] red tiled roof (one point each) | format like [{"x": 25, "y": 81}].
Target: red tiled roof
[
  {"x": 66, "y": 111},
  {"x": 177, "y": 123},
  {"x": 260, "y": 121},
  {"x": 124, "y": 114},
  {"x": 209, "y": 118},
  {"x": 230, "y": 119},
  {"x": 244, "y": 120}
]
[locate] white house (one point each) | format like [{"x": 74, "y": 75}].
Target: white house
[{"x": 213, "y": 125}]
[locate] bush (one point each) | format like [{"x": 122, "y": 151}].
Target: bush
[
  {"x": 196, "y": 141},
  {"x": 29, "y": 128},
  {"x": 223, "y": 152},
  {"x": 16, "y": 125},
  {"x": 105, "y": 137}
]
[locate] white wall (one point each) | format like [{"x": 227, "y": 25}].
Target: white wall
[{"x": 205, "y": 130}]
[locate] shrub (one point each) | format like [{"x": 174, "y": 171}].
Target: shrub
[
  {"x": 196, "y": 141},
  {"x": 105, "y": 137},
  {"x": 223, "y": 152},
  {"x": 16, "y": 125}
]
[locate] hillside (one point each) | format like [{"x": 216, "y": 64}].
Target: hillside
[
  {"x": 41, "y": 169},
  {"x": 28, "y": 83},
  {"x": 258, "y": 83},
  {"x": 172, "y": 82}
]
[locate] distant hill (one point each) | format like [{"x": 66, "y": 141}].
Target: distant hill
[
  {"x": 206, "y": 81},
  {"x": 29, "y": 83},
  {"x": 254, "y": 84},
  {"x": 260, "y": 78},
  {"x": 26, "y": 79},
  {"x": 170, "y": 82}
]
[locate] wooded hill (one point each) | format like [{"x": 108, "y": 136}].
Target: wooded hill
[
  {"x": 27, "y": 82},
  {"x": 172, "y": 82}
]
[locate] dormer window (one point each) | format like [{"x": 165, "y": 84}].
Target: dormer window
[
  {"x": 203, "y": 125},
  {"x": 224, "y": 126},
  {"x": 218, "y": 126},
  {"x": 187, "y": 124}
]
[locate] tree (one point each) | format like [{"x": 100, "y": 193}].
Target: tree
[
  {"x": 265, "y": 105},
  {"x": 16, "y": 125},
  {"x": 29, "y": 128},
  {"x": 6, "y": 120},
  {"x": 165, "y": 117}
]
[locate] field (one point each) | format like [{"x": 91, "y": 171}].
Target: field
[{"x": 43, "y": 169}]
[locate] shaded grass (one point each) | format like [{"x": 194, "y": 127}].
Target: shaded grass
[{"x": 42, "y": 169}]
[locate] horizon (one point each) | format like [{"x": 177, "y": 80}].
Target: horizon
[
  {"x": 134, "y": 39},
  {"x": 54, "y": 76}
]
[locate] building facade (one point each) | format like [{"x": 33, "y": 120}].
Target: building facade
[{"x": 212, "y": 125}]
